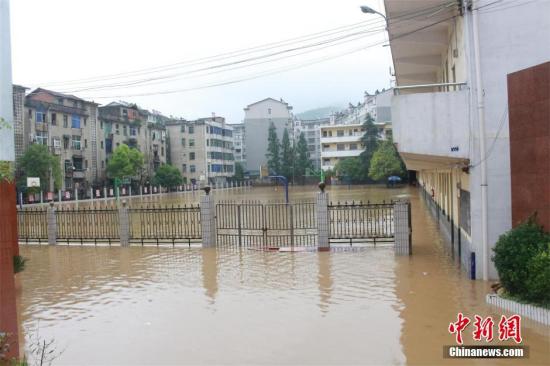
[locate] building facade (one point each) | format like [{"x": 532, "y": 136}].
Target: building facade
[
  {"x": 257, "y": 119},
  {"x": 339, "y": 142},
  {"x": 67, "y": 125},
  {"x": 311, "y": 129},
  {"x": 125, "y": 123},
  {"x": 202, "y": 150},
  {"x": 450, "y": 114},
  {"x": 19, "y": 119},
  {"x": 239, "y": 133}
]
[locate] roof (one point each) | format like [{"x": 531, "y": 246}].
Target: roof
[
  {"x": 266, "y": 99},
  {"x": 59, "y": 95}
]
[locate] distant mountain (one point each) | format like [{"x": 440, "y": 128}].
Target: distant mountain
[{"x": 322, "y": 112}]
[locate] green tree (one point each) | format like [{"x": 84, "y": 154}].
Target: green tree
[
  {"x": 239, "y": 171},
  {"x": 125, "y": 162},
  {"x": 386, "y": 162},
  {"x": 302, "y": 161},
  {"x": 350, "y": 170},
  {"x": 37, "y": 161},
  {"x": 287, "y": 157},
  {"x": 370, "y": 141},
  {"x": 273, "y": 151},
  {"x": 167, "y": 176}
]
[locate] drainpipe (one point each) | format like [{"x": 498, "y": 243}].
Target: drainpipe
[{"x": 482, "y": 157}]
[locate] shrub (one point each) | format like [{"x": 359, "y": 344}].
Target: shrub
[
  {"x": 519, "y": 255},
  {"x": 19, "y": 263},
  {"x": 538, "y": 284}
]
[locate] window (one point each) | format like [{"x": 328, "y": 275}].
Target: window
[
  {"x": 102, "y": 145},
  {"x": 340, "y": 147},
  {"x": 30, "y": 114},
  {"x": 60, "y": 101},
  {"x": 76, "y": 142},
  {"x": 182, "y": 129},
  {"x": 101, "y": 124},
  {"x": 191, "y": 129},
  {"x": 65, "y": 121},
  {"x": 340, "y": 133},
  {"x": 85, "y": 121},
  {"x": 191, "y": 142},
  {"x": 350, "y": 133},
  {"x": 268, "y": 110},
  {"x": 325, "y": 134},
  {"x": 42, "y": 137},
  {"x": 54, "y": 119},
  {"x": 124, "y": 131},
  {"x": 65, "y": 142},
  {"x": 191, "y": 156},
  {"x": 102, "y": 163},
  {"x": 56, "y": 142},
  {"x": 353, "y": 146},
  {"x": 184, "y": 168},
  {"x": 75, "y": 121},
  {"x": 162, "y": 151},
  {"x": 133, "y": 131},
  {"x": 85, "y": 143},
  {"x": 183, "y": 142},
  {"x": 191, "y": 168},
  {"x": 39, "y": 117}
]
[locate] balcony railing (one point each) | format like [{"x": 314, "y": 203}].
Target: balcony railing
[{"x": 428, "y": 88}]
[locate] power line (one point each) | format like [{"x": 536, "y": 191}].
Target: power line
[{"x": 393, "y": 20}]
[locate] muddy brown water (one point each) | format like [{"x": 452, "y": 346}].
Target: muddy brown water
[{"x": 148, "y": 305}]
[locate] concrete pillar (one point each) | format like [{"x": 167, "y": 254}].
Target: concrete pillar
[
  {"x": 321, "y": 205},
  {"x": 130, "y": 191},
  {"x": 92, "y": 194},
  {"x": 104, "y": 192},
  {"x": 124, "y": 224},
  {"x": 41, "y": 197},
  {"x": 59, "y": 198},
  {"x": 20, "y": 199},
  {"x": 402, "y": 228},
  {"x": 52, "y": 224},
  {"x": 208, "y": 219}
]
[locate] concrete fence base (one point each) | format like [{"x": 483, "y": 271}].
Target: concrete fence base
[
  {"x": 532, "y": 312},
  {"x": 402, "y": 227},
  {"x": 208, "y": 221},
  {"x": 321, "y": 201}
]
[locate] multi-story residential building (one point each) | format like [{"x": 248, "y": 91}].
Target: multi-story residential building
[
  {"x": 450, "y": 109},
  {"x": 19, "y": 119},
  {"x": 126, "y": 123},
  {"x": 68, "y": 126},
  {"x": 239, "y": 144},
  {"x": 257, "y": 119},
  {"x": 378, "y": 105},
  {"x": 311, "y": 129},
  {"x": 339, "y": 142},
  {"x": 202, "y": 149}
]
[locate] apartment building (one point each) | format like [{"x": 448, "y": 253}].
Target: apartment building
[
  {"x": 257, "y": 118},
  {"x": 339, "y": 142},
  {"x": 311, "y": 129},
  {"x": 239, "y": 133},
  {"x": 202, "y": 149},
  {"x": 68, "y": 126},
  {"x": 19, "y": 119},
  {"x": 450, "y": 109},
  {"x": 125, "y": 123}
]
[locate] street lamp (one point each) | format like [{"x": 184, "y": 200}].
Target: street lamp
[{"x": 368, "y": 10}]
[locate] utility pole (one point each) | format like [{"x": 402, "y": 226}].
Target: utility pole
[{"x": 8, "y": 210}]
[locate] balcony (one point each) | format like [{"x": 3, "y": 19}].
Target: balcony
[
  {"x": 79, "y": 174},
  {"x": 340, "y": 153},
  {"x": 356, "y": 137},
  {"x": 431, "y": 129}
]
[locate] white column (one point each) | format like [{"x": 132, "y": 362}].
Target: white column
[
  {"x": 322, "y": 220},
  {"x": 208, "y": 220}
]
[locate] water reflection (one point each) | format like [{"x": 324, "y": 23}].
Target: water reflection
[
  {"x": 210, "y": 273},
  {"x": 325, "y": 280}
]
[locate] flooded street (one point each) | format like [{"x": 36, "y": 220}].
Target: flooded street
[{"x": 148, "y": 305}]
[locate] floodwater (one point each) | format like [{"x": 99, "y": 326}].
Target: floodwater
[{"x": 148, "y": 305}]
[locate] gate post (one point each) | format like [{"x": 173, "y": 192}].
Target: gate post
[
  {"x": 52, "y": 224},
  {"x": 124, "y": 225},
  {"x": 208, "y": 219},
  {"x": 402, "y": 228},
  {"x": 321, "y": 201}
]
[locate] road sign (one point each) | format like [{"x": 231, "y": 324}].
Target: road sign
[{"x": 33, "y": 182}]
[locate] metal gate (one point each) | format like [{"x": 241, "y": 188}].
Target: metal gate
[{"x": 270, "y": 225}]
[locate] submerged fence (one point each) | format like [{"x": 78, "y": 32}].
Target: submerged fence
[{"x": 224, "y": 224}]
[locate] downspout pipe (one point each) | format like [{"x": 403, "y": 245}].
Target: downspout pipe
[{"x": 482, "y": 150}]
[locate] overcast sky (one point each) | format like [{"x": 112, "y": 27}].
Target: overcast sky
[{"x": 64, "y": 40}]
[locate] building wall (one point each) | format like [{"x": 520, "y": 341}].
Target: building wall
[
  {"x": 18, "y": 119},
  {"x": 258, "y": 117},
  {"x": 335, "y": 148},
  {"x": 529, "y": 111}
]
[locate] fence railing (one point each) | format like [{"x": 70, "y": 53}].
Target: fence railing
[
  {"x": 254, "y": 224},
  {"x": 361, "y": 221},
  {"x": 32, "y": 224},
  {"x": 165, "y": 224},
  {"x": 87, "y": 225}
]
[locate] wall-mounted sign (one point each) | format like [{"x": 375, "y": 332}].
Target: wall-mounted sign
[
  {"x": 454, "y": 148},
  {"x": 33, "y": 182}
]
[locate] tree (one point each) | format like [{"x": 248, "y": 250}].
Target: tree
[
  {"x": 273, "y": 154},
  {"x": 125, "y": 162},
  {"x": 302, "y": 161},
  {"x": 350, "y": 170},
  {"x": 239, "y": 171},
  {"x": 167, "y": 176},
  {"x": 370, "y": 141},
  {"x": 287, "y": 157},
  {"x": 38, "y": 162},
  {"x": 386, "y": 162}
]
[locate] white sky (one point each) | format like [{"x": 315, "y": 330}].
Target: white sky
[{"x": 62, "y": 40}]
